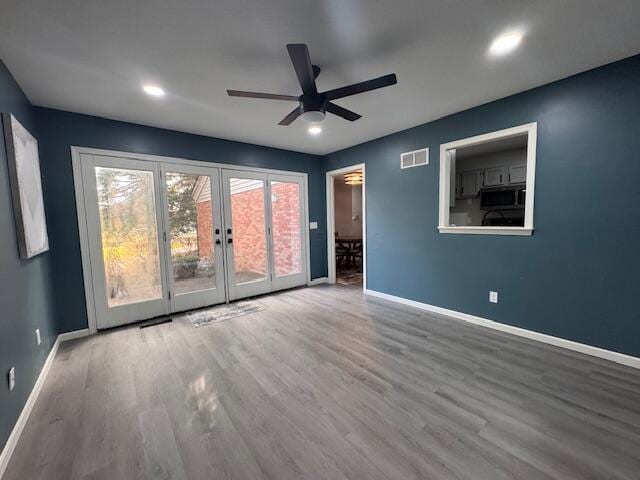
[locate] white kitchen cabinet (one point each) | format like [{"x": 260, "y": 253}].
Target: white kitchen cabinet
[
  {"x": 470, "y": 183},
  {"x": 518, "y": 173},
  {"x": 493, "y": 177}
]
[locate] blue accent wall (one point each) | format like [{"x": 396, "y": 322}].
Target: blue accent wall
[
  {"x": 577, "y": 276},
  {"x": 25, "y": 285},
  {"x": 61, "y": 130}
]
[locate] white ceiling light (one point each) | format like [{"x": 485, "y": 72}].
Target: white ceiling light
[
  {"x": 153, "y": 90},
  {"x": 315, "y": 129},
  {"x": 312, "y": 116},
  {"x": 505, "y": 43}
]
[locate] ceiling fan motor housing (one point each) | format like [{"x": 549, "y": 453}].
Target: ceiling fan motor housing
[{"x": 313, "y": 107}]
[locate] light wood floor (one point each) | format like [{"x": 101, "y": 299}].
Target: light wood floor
[{"x": 327, "y": 384}]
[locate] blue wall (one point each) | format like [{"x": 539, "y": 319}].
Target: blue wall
[
  {"x": 60, "y": 130},
  {"x": 576, "y": 277},
  {"x": 25, "y": 285}
]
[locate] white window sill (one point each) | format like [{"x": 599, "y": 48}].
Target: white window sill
[{"x": 523, "y": 231}]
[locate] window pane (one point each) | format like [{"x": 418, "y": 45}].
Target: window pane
[
  {"x": 287, "y": 241},
  {"x": 191, "y": 232},
  {"x": 249, "y": 232},
  {"x": 126, "y": 203}
]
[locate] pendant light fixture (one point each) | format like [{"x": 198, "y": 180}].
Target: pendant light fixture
[{"x": 353, "y": 178}]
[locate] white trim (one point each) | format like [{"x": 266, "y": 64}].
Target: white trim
[
  {"x": 616, "y": 357},
  {"x": 179, "y": 160},
  {"x": 66, "y": 336},
  {"x": 531, "y": 129},
  {"x": 306, "y": 228},
  {"x": 317, "y": 281},
  {"x": 83, "y": 231},
  {"x": 487, "y": 230},
  {"x": 331, "y": 250},
  {"x": 14, "y": 437}
]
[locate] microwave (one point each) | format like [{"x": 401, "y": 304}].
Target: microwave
[{"x": 503, "y": 198}]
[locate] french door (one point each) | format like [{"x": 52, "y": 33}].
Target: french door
[
  {"x": 265, "y": 232},
  {"x": 193, "y": 236},
  {"x": 124, "y": 219},
  {"x": 166, "y": 237}
]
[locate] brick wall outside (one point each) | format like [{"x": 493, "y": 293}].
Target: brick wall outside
[
  {"x": 249, "y": 244},
  {"x": 204, "y": 226},
  {"x": 286, "y": 228},
  {"x": 247, "y": 210}
]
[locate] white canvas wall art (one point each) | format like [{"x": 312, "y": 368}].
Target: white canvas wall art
[{"x": 26, "y": 188}]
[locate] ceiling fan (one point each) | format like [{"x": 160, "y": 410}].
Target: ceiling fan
[{"x": 313, "y": 105}]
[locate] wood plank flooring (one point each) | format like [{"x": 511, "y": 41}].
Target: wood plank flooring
[{"x": 327, "y": 384}]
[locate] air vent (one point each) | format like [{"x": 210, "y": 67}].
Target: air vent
[{"x": 415, "y": 158}]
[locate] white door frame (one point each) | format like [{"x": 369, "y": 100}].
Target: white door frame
[
  {"x": 83, "y": 229},
  {"x": 331, "y": 227}
]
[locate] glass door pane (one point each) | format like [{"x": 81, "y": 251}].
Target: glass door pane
[
  {"x": 192, "y": 206},
  {"x": 249, "y": 230},
  {"x": 124, "y": 222},
  {"x": 248, "y": 257},
  {"x": 128, "y": 229},
  {"x": 286, "y": 228},
  {"x": 190, "y": 232}
]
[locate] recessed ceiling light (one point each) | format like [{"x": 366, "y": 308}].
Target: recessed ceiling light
[
  {"x": 153, "y": 90},
  {"x": 315, "y": 129},
  {"x": 505, "y": 43}
]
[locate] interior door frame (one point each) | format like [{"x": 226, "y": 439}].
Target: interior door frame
[
  {"x": 331, "y": 222},
  {"x": 83, "y": 232}
]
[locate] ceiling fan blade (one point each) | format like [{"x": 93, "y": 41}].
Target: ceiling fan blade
[
  {"x": 291, "y": 117},
  {"x": 299, "y": 54},
  {"x": 362, "y": 87},
  {"x": 343, "y": 112},
  {"x": 268, "y": 96}
]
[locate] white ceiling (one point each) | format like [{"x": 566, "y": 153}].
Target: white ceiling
[{"x": 92, "y": 57}]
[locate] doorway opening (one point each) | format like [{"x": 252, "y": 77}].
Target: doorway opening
[{"x": 346, "y": 222}]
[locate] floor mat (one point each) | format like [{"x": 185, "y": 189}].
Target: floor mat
[{"x": 222, "y": 313}]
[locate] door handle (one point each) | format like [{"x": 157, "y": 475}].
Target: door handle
[
  {"x": 229, "y": 240},
  {"x": 218, "y": 242},
  {"x": 228, "y": 231}
]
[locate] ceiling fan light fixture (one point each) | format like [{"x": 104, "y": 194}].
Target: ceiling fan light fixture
[{"x": 313, "y": 116}]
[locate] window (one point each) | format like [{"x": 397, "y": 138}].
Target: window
[{"x": 487, "y": 181}]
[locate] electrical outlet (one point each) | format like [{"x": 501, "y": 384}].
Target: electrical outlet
[
  {"x": 493, "y": 297},
  {"x": 38, "y": 339},
  {"x": 12, "y": 378}
]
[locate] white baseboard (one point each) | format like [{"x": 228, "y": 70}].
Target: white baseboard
[
  {"x": 12, "y": 441},
  {"x": 318, "y": 281},
  {"x": 621, "y": 358},
  {"x": 73, "y": 335}
]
